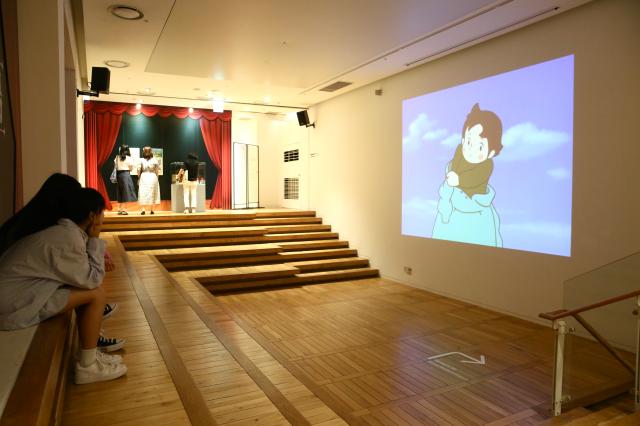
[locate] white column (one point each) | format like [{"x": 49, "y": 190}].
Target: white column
[{"x": 42, "y": 83}]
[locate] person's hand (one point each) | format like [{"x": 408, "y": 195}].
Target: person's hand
[
  {"x": 453, "y": 179},
  {"x": 108, "y": 262},
  {"x": 95, "y": 227}
]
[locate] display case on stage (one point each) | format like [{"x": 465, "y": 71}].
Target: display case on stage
[{"x": 177, "y": 187}]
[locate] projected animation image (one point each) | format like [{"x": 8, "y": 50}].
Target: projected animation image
[{"x": 490, "y": 162}]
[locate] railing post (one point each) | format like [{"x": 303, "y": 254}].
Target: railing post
[
  {"x": 560, "y": 327},
  {"x": 636, "y": 389}
]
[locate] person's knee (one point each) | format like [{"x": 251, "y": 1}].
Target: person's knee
[{"x": 99, "y": 295}]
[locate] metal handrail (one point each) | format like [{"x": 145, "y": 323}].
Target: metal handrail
[
  {"x": 563, "y": 313},
  {"x": 561, "y": 330}
]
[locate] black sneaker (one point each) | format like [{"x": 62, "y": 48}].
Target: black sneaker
[
  {"x": 109, "y": 345},
  {"x": 109, "y": 309}
]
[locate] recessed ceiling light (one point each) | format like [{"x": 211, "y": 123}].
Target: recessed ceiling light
[
  {"x": 122, "y": 11},
  {"x": 116, "y": 63},
  {"x": 267, "y": 99}
]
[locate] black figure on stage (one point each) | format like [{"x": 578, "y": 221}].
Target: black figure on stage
[{"x": 189, "y": 177}]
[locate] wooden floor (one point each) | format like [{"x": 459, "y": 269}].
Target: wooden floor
[{"x": 349, "y": 352}]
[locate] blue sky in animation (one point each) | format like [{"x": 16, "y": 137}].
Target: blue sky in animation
[{"x": 532, "y": 175}]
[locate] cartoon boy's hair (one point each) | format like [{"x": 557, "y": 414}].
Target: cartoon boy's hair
[{"x": 491, "y": 126}]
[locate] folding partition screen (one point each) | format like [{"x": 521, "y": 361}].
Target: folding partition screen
[{"x": 245, "y": 176}]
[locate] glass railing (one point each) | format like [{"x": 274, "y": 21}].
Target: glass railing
[{"x": 597, "y": 336}]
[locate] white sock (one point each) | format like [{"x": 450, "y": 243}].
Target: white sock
[{"x": 87, "y": 357}]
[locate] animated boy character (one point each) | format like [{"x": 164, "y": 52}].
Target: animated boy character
[{"x": 472, "y": 163}]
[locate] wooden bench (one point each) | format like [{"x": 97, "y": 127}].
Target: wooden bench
[{"x": 38, "y": 393}]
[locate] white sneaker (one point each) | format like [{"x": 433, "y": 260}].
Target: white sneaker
[
  {"x": 105, "y": 358},
  {"x": 98, "y": 372},
  {"x": 108, "y": 359}
]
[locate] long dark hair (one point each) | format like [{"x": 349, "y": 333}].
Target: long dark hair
[
  {"x": 44, "y": 210},
  {"x": 85, "y": 201},
  {"x": 124, "y": 151}
]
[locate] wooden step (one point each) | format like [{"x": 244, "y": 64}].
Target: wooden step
[
  {"x": 288, "y": 229},
  {"x": 116, "y": 227},
  {"x": 152, "y": 235},
  {"x": 183, "y": 265},
  {"x": 255, "y": 256},
  {"x": 277, "y": 238},
  {"x": 286, "y": 213},
  {"x": 294, "y": 256},
  {"x": 628, "y": 420},
  {"x": 598, "y": 417},
  {"x": 346, "y": 274},
  {"x": 231, "y": 240},
  {"x": 566, "y": 417},
  {"x": 330, "y": 264},
  {"x": 193, "y": 253},
  {"x": 246, "y": 273},
  {"x": 194, "y": 242},
  {"x": 313, "y": 245},
  {"x": 39, "y": 391},
  {"x": 298, "y": 279},
  {"x": 136, "y": 217}
]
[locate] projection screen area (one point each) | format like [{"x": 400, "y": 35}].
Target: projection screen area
[{"x": 490, "y": 162}]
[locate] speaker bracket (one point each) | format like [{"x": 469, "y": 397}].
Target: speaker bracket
[{"x": 87, "y": 93}]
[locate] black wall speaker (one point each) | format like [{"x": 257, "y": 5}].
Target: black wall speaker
[
  {"x": 303, "y": 118},
  {"x": 100, "y": 77}
]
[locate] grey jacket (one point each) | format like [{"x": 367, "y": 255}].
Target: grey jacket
[{"x": 33, "y": 268}]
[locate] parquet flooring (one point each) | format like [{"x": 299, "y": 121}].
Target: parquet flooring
[{"x": 350, "y": 352}]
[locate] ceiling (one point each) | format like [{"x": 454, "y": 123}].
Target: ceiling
[{"x": 268, "y": 55}]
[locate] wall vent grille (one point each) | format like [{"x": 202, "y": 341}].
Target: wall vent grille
[
  {"x": 291, "y": 188},
  {"x": 335, "y": 86},
  {"x": 293, "y": 155}
]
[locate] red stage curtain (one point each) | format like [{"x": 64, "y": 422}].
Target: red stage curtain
[
  {"x": 217, "y": 140},
  {"x": 101, "y": 131},
  {"x": 102, "y": 124}
]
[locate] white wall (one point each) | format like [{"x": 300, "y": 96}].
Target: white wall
[
  {"x": 356, "y": 176},
  {"x": 272, "y": 134},
  {"x": 42, "y": 98}
]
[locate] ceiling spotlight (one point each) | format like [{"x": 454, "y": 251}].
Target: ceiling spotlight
[
  {"x": 116, "y": 63},
  {"x": 267, "y": 99},
  {"x": 190, "y": 110},
  {"x": 122, "y": 11},
  {"x": 139, "y": 105}
]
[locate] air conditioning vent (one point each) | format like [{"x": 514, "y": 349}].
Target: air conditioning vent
[
  {"x": 335, "y": 86},
  {"x": 291, "y": 188},
  {"x": 293, "y": 155}
]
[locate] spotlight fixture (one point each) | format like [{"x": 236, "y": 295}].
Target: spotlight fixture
[
  {"x": 190, "y": 110},
  {"x": 122, "y": 11},
  {"x": 116, "y": 63},
  {"x": 139, "y": 105}
]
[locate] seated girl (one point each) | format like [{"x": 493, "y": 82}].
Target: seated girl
[{"x": 58, "y": 269}]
